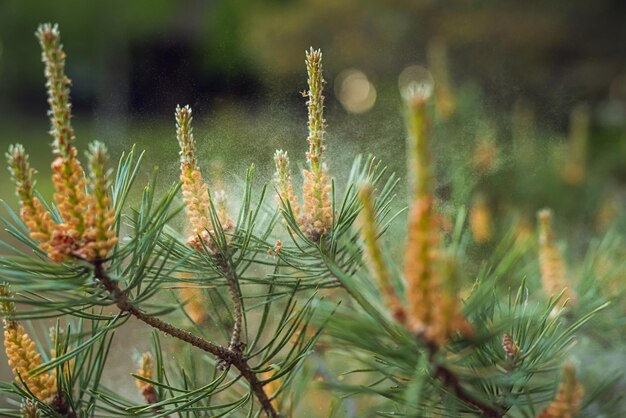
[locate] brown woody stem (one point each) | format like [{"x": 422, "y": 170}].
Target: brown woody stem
[
  {"x": 452, "y": 382},
  {"x": 233, "y": 289},
  {"x": 226, "y": 355}
]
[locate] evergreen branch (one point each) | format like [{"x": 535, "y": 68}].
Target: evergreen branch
[
  {"x": 445, "y": 375},
  {"x": 226, "y": 355}
]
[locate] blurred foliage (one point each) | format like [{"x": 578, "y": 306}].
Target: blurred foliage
[{"x": 144, "y": 54}]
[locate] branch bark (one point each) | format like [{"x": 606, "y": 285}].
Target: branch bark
[
  {"x": 226, "y": 355},
  {"x": 233, "y": 289}
]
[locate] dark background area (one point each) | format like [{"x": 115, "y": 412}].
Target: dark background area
[{"x": 140, "y": 58}]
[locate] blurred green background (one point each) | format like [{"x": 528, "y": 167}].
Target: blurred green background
[
  {"x": 240, "y": 66},
  {"x": 513, "y": 70},
  {"x": 510, "y": 72}
]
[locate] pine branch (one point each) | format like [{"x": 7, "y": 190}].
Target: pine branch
[{"x": 225, "y": 355}]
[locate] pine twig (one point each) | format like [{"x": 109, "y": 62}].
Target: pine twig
[
  {"x": 452, "y": 382},
  {"x": 233, "y": 357},
  {"x": 233, "y": 289}
]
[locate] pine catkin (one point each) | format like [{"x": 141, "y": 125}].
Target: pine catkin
[
  {"x": 552, "y": 265},
  {"x": 422, "y": 248},
  {"x": 378, "y": 267},
  {"x": 29, "y": 410},
  {"x": 445, "y": 102},
  {"x": 23, "y": 358},
  {"x": 32, "y": 212},
  {"x": 195, "y": 190},
  {"x": 447, "y": 316},
  {"x": 434, "y": 308},
  {"x": 146, "y": 370},
  {"x": 68, "y": 179},
  {"x": 575, "y": 169},
  {"x": 485, "y": 155},
  {"x": 508, "y": 345},
  {"x": 315, "y": 216},
  {"x": 566, "y": 403},
  {"x": 317, "y": 207},
  {"x": 480, "y": 220},
  {"x": 194, "y": 303},
  {"x": 67, "y": 173},
  {"x": 22, "y": 354},
  {"x": 99, "y": 236},
  {"x": 421, "y": 251},
  {"x": 421, "y": 256},
  {"x": 196, "y": 199},
  {"x": 272, "y": 387},
  {"x": 58, "y": 85},
  {"x": 284, "y": 183},
  {"x": 87, "y": 218},
  {"x": 418, "y": 153},
  {"x": 315, "y": 106}
]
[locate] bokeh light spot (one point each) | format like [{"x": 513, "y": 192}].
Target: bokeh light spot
[{"x": 355, "y": 92}]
